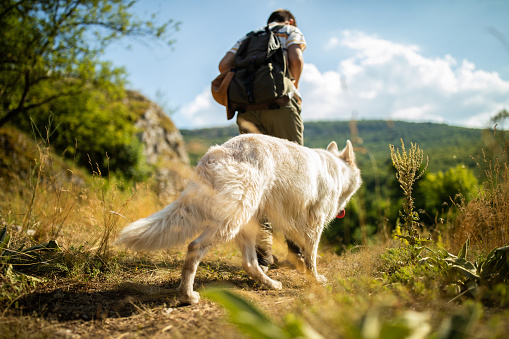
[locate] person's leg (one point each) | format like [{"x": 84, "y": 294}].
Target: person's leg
[
  {"x": 264, "y": 246},
  {"x": 246, "y": 243},
  {"x": 249, "y": 122},
  {"x": 295, "y": 257},
  {"x": 286, "y": 123}
]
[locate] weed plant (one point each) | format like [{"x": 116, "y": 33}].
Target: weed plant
[{"x": 408, "y": 170}]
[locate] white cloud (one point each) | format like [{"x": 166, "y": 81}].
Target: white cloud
[
  {"x": 333, "y": 42},
  {"x": 381, "y": 79},
  {"x": 387, "y": 80},
  {"x": 202, "y": 112}
]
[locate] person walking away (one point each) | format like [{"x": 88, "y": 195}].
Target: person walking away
[{"x": 283, "y": 121}]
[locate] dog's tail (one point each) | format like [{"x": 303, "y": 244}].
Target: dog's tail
[{"x": 171, "y": 227}]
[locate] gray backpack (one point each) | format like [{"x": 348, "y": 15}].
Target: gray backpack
[{"x": 261, "y": 78}]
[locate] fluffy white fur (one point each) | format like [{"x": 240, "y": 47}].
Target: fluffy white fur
[{"x": 250, "y": 178}]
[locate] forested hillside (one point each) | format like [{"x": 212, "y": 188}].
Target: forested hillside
[{"x": 449, "y": 145}]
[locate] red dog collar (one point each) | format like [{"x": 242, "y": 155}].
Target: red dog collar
[{"x": 341, "y": 214}]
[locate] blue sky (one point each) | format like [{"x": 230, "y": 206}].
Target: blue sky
[{"x": 440, "y": 61}]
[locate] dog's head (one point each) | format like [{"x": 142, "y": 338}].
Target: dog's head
[{"x": 352, "y": 178}]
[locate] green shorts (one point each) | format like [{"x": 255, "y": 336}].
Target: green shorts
[{"x": 285, "y": 122}]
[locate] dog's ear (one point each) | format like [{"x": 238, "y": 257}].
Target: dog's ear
[
  {"x": 347, "y": 153},
  {"x": 333, "y": 148}
]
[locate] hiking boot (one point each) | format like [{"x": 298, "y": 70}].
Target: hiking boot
[
  {"x": 267, "y": 262},
  {"x": 296, "y": 261}
]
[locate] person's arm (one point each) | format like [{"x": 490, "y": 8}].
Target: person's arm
[
  {"x": 227, "y": 62},
  {"x": 296, "y": 62}
]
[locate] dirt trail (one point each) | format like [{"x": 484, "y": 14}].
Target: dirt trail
[{"x": 142, "y": 303}]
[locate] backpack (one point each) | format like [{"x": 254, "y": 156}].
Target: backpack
[{"x": 261, "y": 78}]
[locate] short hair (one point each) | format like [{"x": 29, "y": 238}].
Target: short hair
[{"x": 281, "y": 15}]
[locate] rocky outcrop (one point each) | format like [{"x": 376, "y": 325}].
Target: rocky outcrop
[
  {"x": 163, "y": 147},
  {"x": 161, "y": 140}
]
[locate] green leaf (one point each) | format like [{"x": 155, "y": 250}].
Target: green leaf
[
  {"x": 464, "y": 249},
  {"x": 496, "y": 264},
  {"x": 461, "y": 262},
  {"x": 4, "y": 240},
  {"x": 461, "y": 323},
  {"x": 51, "y": 246},
  {"x": 297, "y": 328},
  {"x": 246, "y": 316},
  {"x": 469, "y": 274}
]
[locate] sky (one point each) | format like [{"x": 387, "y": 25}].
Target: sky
[{"x": 443, "y": 61}]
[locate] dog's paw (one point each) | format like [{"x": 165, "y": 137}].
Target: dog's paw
[
  {"x": 273, "y": 284},
  {"x": 189, "y": 299},
  {"x": 276, "y": 285},
  {"x": 321, "y": 279}
]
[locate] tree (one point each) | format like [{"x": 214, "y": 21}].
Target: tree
[
  {"x": 52, "y": 48},
  {"x": 437, "y": 189},
  {"x": 500, "y": 118},
  {"x": 95, "y": 130}
]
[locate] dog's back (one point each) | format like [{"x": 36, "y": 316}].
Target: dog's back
[{"x": 272, "y": 178}]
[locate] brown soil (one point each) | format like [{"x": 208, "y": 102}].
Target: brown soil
[{"x": 139, "y": 300}]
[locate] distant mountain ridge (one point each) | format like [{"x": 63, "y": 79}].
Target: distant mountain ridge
[{"x": 446, "y": 145}]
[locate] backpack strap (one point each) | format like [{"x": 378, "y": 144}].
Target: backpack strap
[
  {"x": 266, "y": 29},
  {"x": 276, "y": 104},
  {"x": 275, "y": 28}
]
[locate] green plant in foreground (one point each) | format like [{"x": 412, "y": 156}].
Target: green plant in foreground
[
  {"x": 254, "y": 323},
  {"x": 408, "y": 172},
  {"x": 14, "y": 282},
  {"x": 470, "y": 276},
  {"x": 373, "y": 325}
]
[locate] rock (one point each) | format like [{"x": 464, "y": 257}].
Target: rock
[{"x": 163, "y": 147}]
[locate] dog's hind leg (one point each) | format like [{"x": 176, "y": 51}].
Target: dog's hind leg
[
  {"x": 246, "y": 242},
  {"x": 195, "y": 253}
]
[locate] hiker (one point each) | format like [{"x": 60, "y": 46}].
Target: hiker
[{"x": 283, "y": 119}]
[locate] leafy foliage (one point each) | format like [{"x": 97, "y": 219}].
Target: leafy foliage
[
  {"x": 471, "y": 276},
  {"x": 435, "y": 190},
  {"x": 95, "y": 130},
  {"x": 24, "y": 256},
  {"x": 51, "y": 49}
]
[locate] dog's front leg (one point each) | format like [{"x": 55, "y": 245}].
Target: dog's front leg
[
  {"x": 310, "y": 253},
  {"x": 195, "y": 253}
]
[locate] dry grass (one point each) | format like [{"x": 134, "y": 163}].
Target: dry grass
[{"x": 484, "y": 220}]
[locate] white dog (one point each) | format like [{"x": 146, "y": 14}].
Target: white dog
[{"x": 251, "y": 177}]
